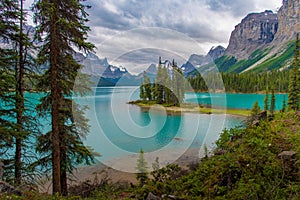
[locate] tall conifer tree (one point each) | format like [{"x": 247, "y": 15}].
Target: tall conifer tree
[
  {"x": 294, "y": 82},
  {"x": 61, "y": 27}
]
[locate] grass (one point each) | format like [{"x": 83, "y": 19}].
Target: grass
[
  {"x": 277, "y": 61},
  {"x": 189, "y": 108}
]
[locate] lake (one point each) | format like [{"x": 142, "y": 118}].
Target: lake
[
  {"x": 234, "y": 101},
  {"x": 120, "y": 129}
]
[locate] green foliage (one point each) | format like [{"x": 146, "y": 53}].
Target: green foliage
[
  {"x": 166, "y": 89},
  {"x": 61, "y": 30},
  {"x": 278, "y": 60},
  {"x": 224, "y": 63},
  {"x": 142, "y": 169},
  {"x": 248, "y": 82},
  {"x": 266, "y": 101},
  {"x": 272, "y": 106},
  {"x": 255, "y": 111},
  {"x": 294, "y": 84},
  {"x": 246, "y": 165}
]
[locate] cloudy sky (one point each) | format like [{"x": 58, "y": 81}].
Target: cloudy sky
[{"x": 133, "y": 33}]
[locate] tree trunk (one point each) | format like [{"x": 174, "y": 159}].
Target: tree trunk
[
  {"x": 55, "y": 104},
  {"x": 20, "y": 102},
  {"x": 63, "y": 172}
]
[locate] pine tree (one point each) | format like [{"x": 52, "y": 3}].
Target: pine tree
[
  {"x": 272, "y": 106},
  {"x": 177, "y": 85},
  {"x": 164, "y": 79},
  {"x": 159, "y": 87},
  {"x": 255, "y": 111},
  {"x": 266, "y": 101},
  {"x": 147, "y": 86},
  {"x": 141, "y": 167},
  {"x": 283, "y": 105},
  {"x": 142, "y": 91},
  {"x": 61, "y": 27},
  {"x": 294, "y": 82},
  {"x": 9, "y": 14}
]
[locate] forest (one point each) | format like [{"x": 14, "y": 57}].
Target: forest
[
  {"x": 26, "y": 152},
  {"x": 248, "y": 82}
]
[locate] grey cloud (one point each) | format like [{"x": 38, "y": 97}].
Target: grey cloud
[{"x": 209, "y": 22}]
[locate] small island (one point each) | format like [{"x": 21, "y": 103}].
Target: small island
[{"x": 167, "y": 93}]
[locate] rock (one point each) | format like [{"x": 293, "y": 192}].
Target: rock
[
  {"x": 287, "y": 154},
  {"x": 289, "y": 22},
  {"x": 8, "y": 189},
  {"x": 151, "y": 196},
  {"x": 263, "y": 115},
  {"x": 254, "y": 32},
  {"x": 216, "y": 52},
  {"x": 170, "y": 197}
]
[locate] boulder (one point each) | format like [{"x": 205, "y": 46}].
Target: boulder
[
  {"x": 151, "y": 196},
  {"x": 287, "y": 154}
]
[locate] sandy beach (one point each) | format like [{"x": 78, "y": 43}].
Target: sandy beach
[{"x": 111, "y": 168}]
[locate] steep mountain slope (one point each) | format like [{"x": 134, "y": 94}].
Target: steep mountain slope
[
  {"x": 263, "y": 41},
  {"x": 254, "y": 32}
]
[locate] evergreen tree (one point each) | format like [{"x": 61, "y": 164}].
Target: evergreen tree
[
  {"x": 141, "y": 167},
  {"x": 142, "y": 91},
  {"x": 159, "y": 86},
  {"x": 177, "y": 85},
  {"x": 255, "y": 111},
  {"x": 272, "y": 106},
  {"x": 147, "y": 87},
  {"x": 294, "y": 82},
  {"x": 61, "y": 28},
  {"x": 8, "y": 33},
  {"x": 266, "y": 101},
  {"x": 164, "y": 79},
  {"x": 283, "y": 105}
]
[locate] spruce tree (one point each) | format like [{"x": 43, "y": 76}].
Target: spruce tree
[
  {"x": 294, "y": 82},
  {"x": 177, "y": 84},
  {"x": 283, "y": 105},
  {"x": 9, "y": 15},
  {"x": 142, "y": 169},
  {"x": 255, "y": 111},
  {"x": 266, "y": 100},
  {"x": 159, "y": 86},
  {"x": 272, "y": 106},
  {"x": 147, "y": 86},
  {"x": 142, "y": 91},
  {"x": 61, "y": 28}
]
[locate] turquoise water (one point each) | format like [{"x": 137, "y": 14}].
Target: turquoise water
[
  {"x": 235, "y": 101},
  {"x": 118, "y": 128}
]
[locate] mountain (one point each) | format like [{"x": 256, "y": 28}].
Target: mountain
[
  {"x": 255, "y": 31},
  {"x": 201, "y": 62},
  {"x": 152, "y": 69},
  {"x": 263, "y": 41},
  {"x": 107, "y": 74}
]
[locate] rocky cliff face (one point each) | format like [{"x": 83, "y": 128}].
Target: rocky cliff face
[
  {"x": 255, "y": 31},
  {"x": 216, "y": 52},
  {"x": 289, "y": 21}
]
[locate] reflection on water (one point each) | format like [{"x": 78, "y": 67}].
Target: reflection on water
[{"x": 118, "y": 128}]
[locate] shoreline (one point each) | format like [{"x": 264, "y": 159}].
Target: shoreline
[
  {"x": 189, "y": 108},
  {"x": 108, "y": 169}
]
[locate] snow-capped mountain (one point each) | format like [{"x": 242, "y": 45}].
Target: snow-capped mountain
[
  {"x": 201, "y": 61},
  {"x": 107, "y": 74},
  {"x": 152, "y": 69}
]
